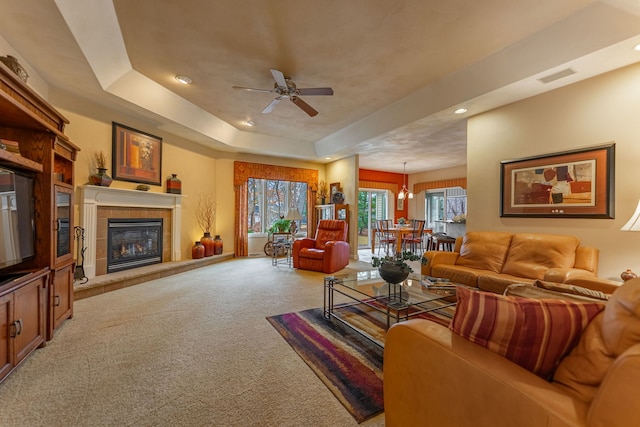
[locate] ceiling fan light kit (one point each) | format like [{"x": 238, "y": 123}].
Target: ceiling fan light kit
[{"x": 285, "y": 88}]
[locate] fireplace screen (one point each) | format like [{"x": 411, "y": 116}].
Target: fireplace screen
[{"x": 133, "y": 243}]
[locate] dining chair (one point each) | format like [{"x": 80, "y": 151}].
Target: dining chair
[
  {"x": 441, "y": 241},
  {"x": 386, "y": 237},
  {"x": 413, "y": 241}
]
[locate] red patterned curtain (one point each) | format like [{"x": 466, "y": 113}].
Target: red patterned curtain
[{"x": 242, "y": 171}]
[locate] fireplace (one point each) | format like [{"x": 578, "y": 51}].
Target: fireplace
[
  {"x": 102, "y": 203},
  {"x": 133, "y": 242}
]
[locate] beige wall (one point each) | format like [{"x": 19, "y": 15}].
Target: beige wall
[
  {"x": 597, "y": 111},
  {"x": 345, "y": 171}
]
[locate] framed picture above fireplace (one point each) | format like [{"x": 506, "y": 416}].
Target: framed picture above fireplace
[{"x": 137, "y": 155}]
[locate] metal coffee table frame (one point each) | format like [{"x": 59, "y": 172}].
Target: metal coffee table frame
[{"x": 401, "y": 302}]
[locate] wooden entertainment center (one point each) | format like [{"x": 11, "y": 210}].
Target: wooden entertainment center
[{"x": 36, "y": 295}]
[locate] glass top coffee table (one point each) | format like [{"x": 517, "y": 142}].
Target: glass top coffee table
[{"x": 366, "y": 303}]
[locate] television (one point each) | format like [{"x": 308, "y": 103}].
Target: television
[{"x": 17, "y": 217}]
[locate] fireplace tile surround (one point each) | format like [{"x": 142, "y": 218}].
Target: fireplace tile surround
[{"x": 98, "y": 204}]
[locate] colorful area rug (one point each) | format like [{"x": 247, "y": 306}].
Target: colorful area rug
[{"x": 349, "y": 364}]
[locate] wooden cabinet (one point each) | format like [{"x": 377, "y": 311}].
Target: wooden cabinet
[
  {"x": 333, "y": 211},
  {"x": 324, "y": 212},
  {"x": 32, "y": 308},
  {"x": 60, "y": 298},
  {"x": 22, "y": 319}
]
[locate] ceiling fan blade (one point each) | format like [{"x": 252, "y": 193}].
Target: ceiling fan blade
[
  {"x": 316, "y": 91},
  {"x": 271, "y": 106},
  {"x": 279, "y": 77},
  {"x": 250, "y": 89},
  {"x": 304, "y": 106}
]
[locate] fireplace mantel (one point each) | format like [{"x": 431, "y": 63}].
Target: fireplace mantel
[{"x": 94, "y": 196}]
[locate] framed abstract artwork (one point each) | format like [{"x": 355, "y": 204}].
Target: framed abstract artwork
[
  {"x": 137, "y": 155},
  {"x": 570, "y": 184}
]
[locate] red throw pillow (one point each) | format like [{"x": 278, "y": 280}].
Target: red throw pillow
[{"x": 535, "y": 334}]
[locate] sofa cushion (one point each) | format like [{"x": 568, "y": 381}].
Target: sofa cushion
[
  {"x": 531, "y": 255},
  {"x": 606, "y": 338},
  {"x": 457, "y": 274},
  {"x": 535, "y": 334},
  {"x": 484, "y": 250},
  {"x": 497, "y": 283}
]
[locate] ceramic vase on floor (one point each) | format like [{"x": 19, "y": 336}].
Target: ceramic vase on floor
[
  {"x": 217, "y": 245},
  {"x": 209, "y": 244},
  {"x": 197, "y": 251}
]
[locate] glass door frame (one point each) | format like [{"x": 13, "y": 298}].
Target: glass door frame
[{"x": 370, "y": 217}]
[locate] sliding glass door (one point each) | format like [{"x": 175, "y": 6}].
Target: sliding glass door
[{"x": 372, "y": 206}]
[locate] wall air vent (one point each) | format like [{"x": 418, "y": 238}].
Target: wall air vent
[{"x": 555, "y": 76}]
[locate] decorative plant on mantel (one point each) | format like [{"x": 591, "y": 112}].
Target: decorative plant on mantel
[
  {"x": 206, "y": 213},
  {"x": 100, "y": 178},
  {"x": 101, "y": 160}
]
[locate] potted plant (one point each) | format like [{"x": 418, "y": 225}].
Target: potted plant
[
  {"x": 394, "y": 268},
  {"x": 205, "y": 215},
  {"x": 280, "y": 226},
  {"x": 323, "y": 190}
]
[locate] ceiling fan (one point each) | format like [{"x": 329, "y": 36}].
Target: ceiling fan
[{"x": 285, "y": 88}]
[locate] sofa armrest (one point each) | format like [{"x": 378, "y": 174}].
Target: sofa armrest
[
  {"x": 615, "y": 403},
  {"x": 437, "y": 257},
  {"x": 306, "y": 242},
  {"x": 596, "y": 283},
  {"x": 336, "y": 255},
  {"x": 298, "y": 244},
  {"x": 561, "y": 275},
  {"x": 435, "y": 377}
]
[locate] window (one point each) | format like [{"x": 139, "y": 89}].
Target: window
[
  {"x": 270, "y": 200},
  {"x": 445, "y": 205}
]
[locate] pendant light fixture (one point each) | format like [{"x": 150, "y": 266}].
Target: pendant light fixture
[{"x": 405, "y": 193}]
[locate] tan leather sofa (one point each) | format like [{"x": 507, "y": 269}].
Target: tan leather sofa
[
  {"x": 492, "y": 260},
  {"x": 433, "y": 377}
]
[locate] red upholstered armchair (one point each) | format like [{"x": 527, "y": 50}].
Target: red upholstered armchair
[{"x": 328, "y": 252}]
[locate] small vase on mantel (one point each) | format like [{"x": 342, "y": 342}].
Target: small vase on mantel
[
  {"x": 174, "y": 185},
  {"x": 197, "y": 251},
  {"x": 101, "y": 178},
  {"x": 209, "y": 244}
]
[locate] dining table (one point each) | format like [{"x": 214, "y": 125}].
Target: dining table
[{"x": 399, "y": 232}]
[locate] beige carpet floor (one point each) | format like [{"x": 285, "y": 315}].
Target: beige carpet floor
[{"x": 193, "y": 349}]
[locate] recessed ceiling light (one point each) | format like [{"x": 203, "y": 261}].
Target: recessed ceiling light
[
  {"x": 249, "y": 123},
  {"x": 460, "y": 111},
  {"x": 637, "y": 47},
  {"x": 327, "y": 158},
  {"x": 184, "y": 80}
]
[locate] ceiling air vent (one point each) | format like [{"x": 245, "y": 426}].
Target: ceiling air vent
[{"x": 555, "y": 76}]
